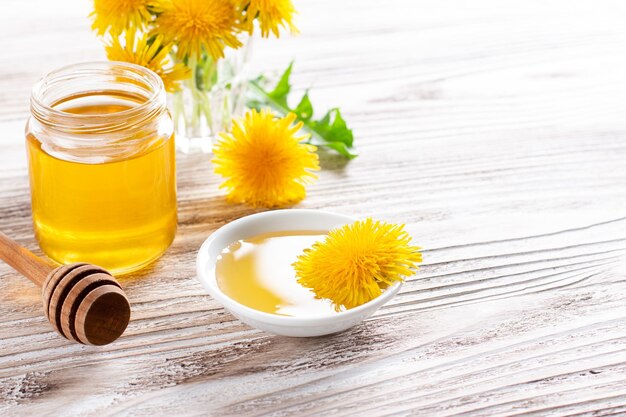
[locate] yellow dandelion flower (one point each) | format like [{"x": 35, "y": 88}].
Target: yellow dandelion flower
[
  {"x": 272, "y": 14},
  {"x": 355, "y": 262},
  {"x": 154, "y": 56},
  {"x": 119, "y": 15},
  {"x": 263, "y": 160},
  {"x": 199, "y": 25}
]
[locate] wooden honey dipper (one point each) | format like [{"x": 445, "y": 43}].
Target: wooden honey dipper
[{"x": 83, "y": 302}]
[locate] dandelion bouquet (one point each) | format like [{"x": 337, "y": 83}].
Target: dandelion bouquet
[{"x": 198, "y": 47}]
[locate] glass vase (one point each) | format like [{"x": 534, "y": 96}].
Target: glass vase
[{"x": 210, "y": 98}]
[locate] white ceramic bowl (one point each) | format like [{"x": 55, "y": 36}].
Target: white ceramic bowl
[{"x": 276, "y": 221}]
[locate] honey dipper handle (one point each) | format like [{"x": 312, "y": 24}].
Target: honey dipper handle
[{"x": 24, "y": 261}]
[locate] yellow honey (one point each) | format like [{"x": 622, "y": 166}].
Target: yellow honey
[
  {"x": 102, "y": 173},
  {"x": 119, "y": 215},
  {"x": 258, "y": 272}
]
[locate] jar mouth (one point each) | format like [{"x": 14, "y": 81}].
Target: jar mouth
[
  {"x": 95, "y": 112},
  {"x": 55, "y": 86}
]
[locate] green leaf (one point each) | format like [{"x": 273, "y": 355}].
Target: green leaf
[
  {"x": 304, "y": 110},
  {"x": 282, "y": 89},
  {"x": 331, "y": 131},
  {"x": 333, "y": 128},
  {"x": 340, "y": 131}
]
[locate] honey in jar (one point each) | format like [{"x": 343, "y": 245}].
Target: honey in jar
[{"x": 102, "y": 166}]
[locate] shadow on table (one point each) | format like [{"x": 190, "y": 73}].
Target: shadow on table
[{"x": 332, "y": 161}]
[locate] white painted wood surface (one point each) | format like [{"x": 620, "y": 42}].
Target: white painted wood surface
[{"x": 495, "y": 129}]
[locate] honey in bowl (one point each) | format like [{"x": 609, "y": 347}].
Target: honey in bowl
[{"x": 258, "y": 273}]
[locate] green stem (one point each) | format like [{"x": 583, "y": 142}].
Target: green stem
[
  {"x": 192, "y": 84},
  {"x": 206, "y": 80},
  {"x": 199, "y": 85}
]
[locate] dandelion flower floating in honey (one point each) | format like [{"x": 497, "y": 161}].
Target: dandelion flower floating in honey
[
  {"x": 119, "y": 15},
  {"x": 199, "y": 25},
  {"x": 264, "y": 160},
  {"x": 355, "y": 262},
  {"x": 272, "y": 14},
  {"x": 154, "y": 55}
]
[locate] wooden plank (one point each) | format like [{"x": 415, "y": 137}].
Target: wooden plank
[{"x": 494, "y": 129}]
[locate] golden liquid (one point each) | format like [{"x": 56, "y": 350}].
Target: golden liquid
[
  {"x": 257, "y": 272},
  {"x": 120, "y": 215}
]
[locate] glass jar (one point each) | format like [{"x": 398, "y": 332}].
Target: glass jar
[{"x": 101, "y": 159}]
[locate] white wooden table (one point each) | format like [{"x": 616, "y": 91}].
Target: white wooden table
[{"x": 495, "y": 129}]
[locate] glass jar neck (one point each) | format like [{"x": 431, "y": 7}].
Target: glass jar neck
[{"x": 99, "y": 112}]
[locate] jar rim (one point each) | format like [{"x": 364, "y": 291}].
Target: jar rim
[
  {"x": 91, "y": 68},
  {"x": 103, "y": 136}
]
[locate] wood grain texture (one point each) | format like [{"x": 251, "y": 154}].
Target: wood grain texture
[{"x": 494, "y": 129}]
